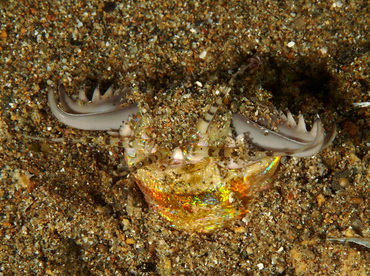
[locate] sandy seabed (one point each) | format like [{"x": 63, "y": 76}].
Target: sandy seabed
[{"x": 62, "y": 210}]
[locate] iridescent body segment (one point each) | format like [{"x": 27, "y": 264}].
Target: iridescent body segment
[
  {"x": 205, "y": 195},
  {"x": 209, "y": 181}
]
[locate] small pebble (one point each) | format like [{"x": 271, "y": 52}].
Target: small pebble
[
  {"x": 249, "y": 250},
  {"x": 320, "y": 199},
  {"x": 356, "y": 200},
  {"x": 203, "y": 55},
  {"x": 240, "y": 229},
  {"x": 130, "y": 241},
  {"x": 280, "y": 269},
  {"x": 126, "y": 222},
  {"x": 291, "y": 44},
  {"x": 343, "y": 182},
  {"x": 3, "y": 34}
]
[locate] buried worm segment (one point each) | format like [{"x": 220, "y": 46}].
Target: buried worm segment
[{"x": 209, "y": 181}]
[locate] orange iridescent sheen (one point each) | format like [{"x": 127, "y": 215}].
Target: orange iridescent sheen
[{"x": 205, "y": 195}]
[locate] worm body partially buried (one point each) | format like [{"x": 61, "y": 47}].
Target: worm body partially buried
[{"x": 210, "y": 178}]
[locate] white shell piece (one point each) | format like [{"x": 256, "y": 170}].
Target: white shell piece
[
  {"x": 177, "y": 154},
  {"x": 126, "y": 131}
]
